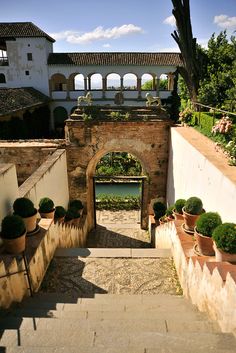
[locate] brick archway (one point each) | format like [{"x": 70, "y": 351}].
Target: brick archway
[{"x": 87, "y": 143}]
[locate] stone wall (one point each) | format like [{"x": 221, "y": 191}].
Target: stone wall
[
  {"x": 88, "y": 143},
  {"x": 210, "y": 285},
  {"x": 27, "y": 156}
]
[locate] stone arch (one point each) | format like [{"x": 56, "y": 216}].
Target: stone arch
[
  {"x": 2, "y": 78},
  {"x": 130, "y": 81},
  {"x": 58, "y": 82},
  {"x": 90, "y": 173},
  {"x": 146, "y": 78},
  {"x": 113, "y": 81},
  {"x": 95, "y": 81},
  {"x": 79, "y": 82}
]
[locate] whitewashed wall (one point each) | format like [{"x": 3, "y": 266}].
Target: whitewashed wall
[
  {"x": 8, "y": 189},
  {"x": 191, "y": 174},
  {"x": 49, "y": 180}
]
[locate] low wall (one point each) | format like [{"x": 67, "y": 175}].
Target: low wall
[
  {"x": 49, "y": 180},
  {"x": 210, "y": 285},
  {"x": 8, "y": 189},
  {"x": 40, "y": 249},
  {"x": 197, "y": 169}
]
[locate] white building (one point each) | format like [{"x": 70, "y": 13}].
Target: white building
[{"x": 27, "y": 60}]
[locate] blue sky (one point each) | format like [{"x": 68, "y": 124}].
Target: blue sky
[{"x": 123, "y": 25}]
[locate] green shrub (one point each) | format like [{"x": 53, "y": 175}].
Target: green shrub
[
  {"x": 225, "y": 237},
  {"x": 116, "y": 203},
  {"x": 71, "y": 213},
  {"x": 159, "y": 209},
  {"x": 193, "y": 206},
  {"x": 77, "y": 204},
  {"x": 24, "y": 207},
  {"x": 59, "y": 212},
  {"x": 46, "y": 205},
  {"x": 207, "y": 222},
  {"x": 179, "y": 204},
  {"x": 12, "y": 227},
  {"x": 169, "y": 211}
]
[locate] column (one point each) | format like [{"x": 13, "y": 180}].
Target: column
[
  {"x": 157, "y": 86},
  {"x": 104, "y": 87},
  {"x": 139, "y": 84},
  {"x": 85, "y": 85}
]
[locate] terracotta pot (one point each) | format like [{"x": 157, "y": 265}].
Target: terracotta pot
[
  {"x": 47, "y": 214},
  {"x": 30, "y": 222},
  {"x": 178, "y": 216},
  {"x": 15, "y": 246},
  {"x": 190, "y": 220},
  {"x": 205, "y": 244},
  {"x": 220, "y": 255}
]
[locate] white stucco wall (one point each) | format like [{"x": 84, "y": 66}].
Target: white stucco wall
[
  {"x": 18, "y": 63},
  {"x": 8, "y": 189},
  {"x": 49, "y": 180},
  {"x": 190, "y": 173}
]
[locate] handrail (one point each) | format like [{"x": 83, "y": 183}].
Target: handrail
[{"x": 215, "y": 109}]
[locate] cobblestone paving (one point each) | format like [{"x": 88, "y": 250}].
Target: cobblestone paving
[
  {"x": 85, "y": 277},
  {"x": 118, "y": 230}
]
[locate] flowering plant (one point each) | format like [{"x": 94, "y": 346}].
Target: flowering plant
[
  {"x": 231, "y": 149},
  {"x": 186, "y": 115},
  {"x": 223, "y": 126}
]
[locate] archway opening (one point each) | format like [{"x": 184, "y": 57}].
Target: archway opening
[
  {"x": 148, "y": 82},
  {"x": 113, "y": 82},
  {"x": 130, "y": 82}
]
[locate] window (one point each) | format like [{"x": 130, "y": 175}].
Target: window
[
  {"x": 29, "y": 56},
  {"x": 2, "y": 78},
  {"x": 27, "y": 73}
]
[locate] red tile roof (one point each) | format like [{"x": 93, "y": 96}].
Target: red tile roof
[
  {"x": 116, "y": 58},
  {"x": 21, "y": 29}
]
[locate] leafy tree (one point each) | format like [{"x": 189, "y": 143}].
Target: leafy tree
[{"x": 147, "y": 86}]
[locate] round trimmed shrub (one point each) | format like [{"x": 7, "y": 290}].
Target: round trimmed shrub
[
  {"x": 169, "y": 211},
  {"x": 159, "y": 209},
  {"x": 77, "y": 204},
  {"x": 71, "y": 213},
  {"x": 46, "y": 205},
  {"x": 24, "y": 207},
  {"x": 179, "y": 204},
  {"x": 12, "y": 227},
  {"x": 59, "y": 212},
  {"x": 193, "y": 206},
  {"x": 207, "y": 222},
  {"x": 225, "y": 237}
]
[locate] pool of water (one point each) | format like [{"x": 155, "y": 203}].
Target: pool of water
[{"x": 118, "y": 189}]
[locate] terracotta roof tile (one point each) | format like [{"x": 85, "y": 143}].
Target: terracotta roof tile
[
  {"x": 15, "y": 99},
  {"x": 21, "y": 29},
  {"x": 115, "y": 58}
]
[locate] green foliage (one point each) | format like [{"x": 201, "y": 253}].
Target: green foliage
[
  {"x": 207, "y": 222},
  {"x": 159, "y": 209},
  {"x": 169, "y": 211},
  {"x": 59, "y": 212},
  {"x": 77, "y": 204},
  {"x": 116, "y": 203},
  {"x": 71, "y": 213},
  {"x": 24, "y": 207},
  {"x": 86, "y": 118},
  {"x": 225, "y": 237},
  {"x": 12, "y": 227},
  {"x": 46, "y": 205},
  {"x": 119, "y": 163},
  {"x": 179, "y": 204},
  {"x": 193, "y": 206},
  {"x": 231, "y": 149},
  {"x": 186, "y": 115}
]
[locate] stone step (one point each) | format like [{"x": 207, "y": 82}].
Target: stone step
[
  {"x": 113, "y": 252},
  {"x": 160, "y": 324},
  {"x": 169, "y": 342}
]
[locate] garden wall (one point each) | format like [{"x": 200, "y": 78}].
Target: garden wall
[
  {"x": 8, "y": 189},
  {"x": 196, "y": 168}
]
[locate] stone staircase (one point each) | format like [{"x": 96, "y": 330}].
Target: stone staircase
[{"x": 110, "y": 323}]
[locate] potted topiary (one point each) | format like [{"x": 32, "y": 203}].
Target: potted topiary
[
  {"x": 224, "y": 237},
  {"x": 77, "y": 204},
  {"x": 159, "y": 209},
  {"x": 169, "y": 213},
  {"x": 191, "y": 212},
  {"x": 46, "y": 208},
  {"x": 60, "y": 213},
  {"x": 24, "y": 208},
  {"x": 13, "y": 234},
  {"x": 72, "y": 216},
  {"x": 205, "y": 226},
  {"x": 178, "y": 209}
]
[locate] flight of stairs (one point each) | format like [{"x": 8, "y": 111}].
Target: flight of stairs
[{"x": 110, "y": 323}]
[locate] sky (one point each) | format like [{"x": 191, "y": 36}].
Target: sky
[{"x": 123, "y": 25}]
